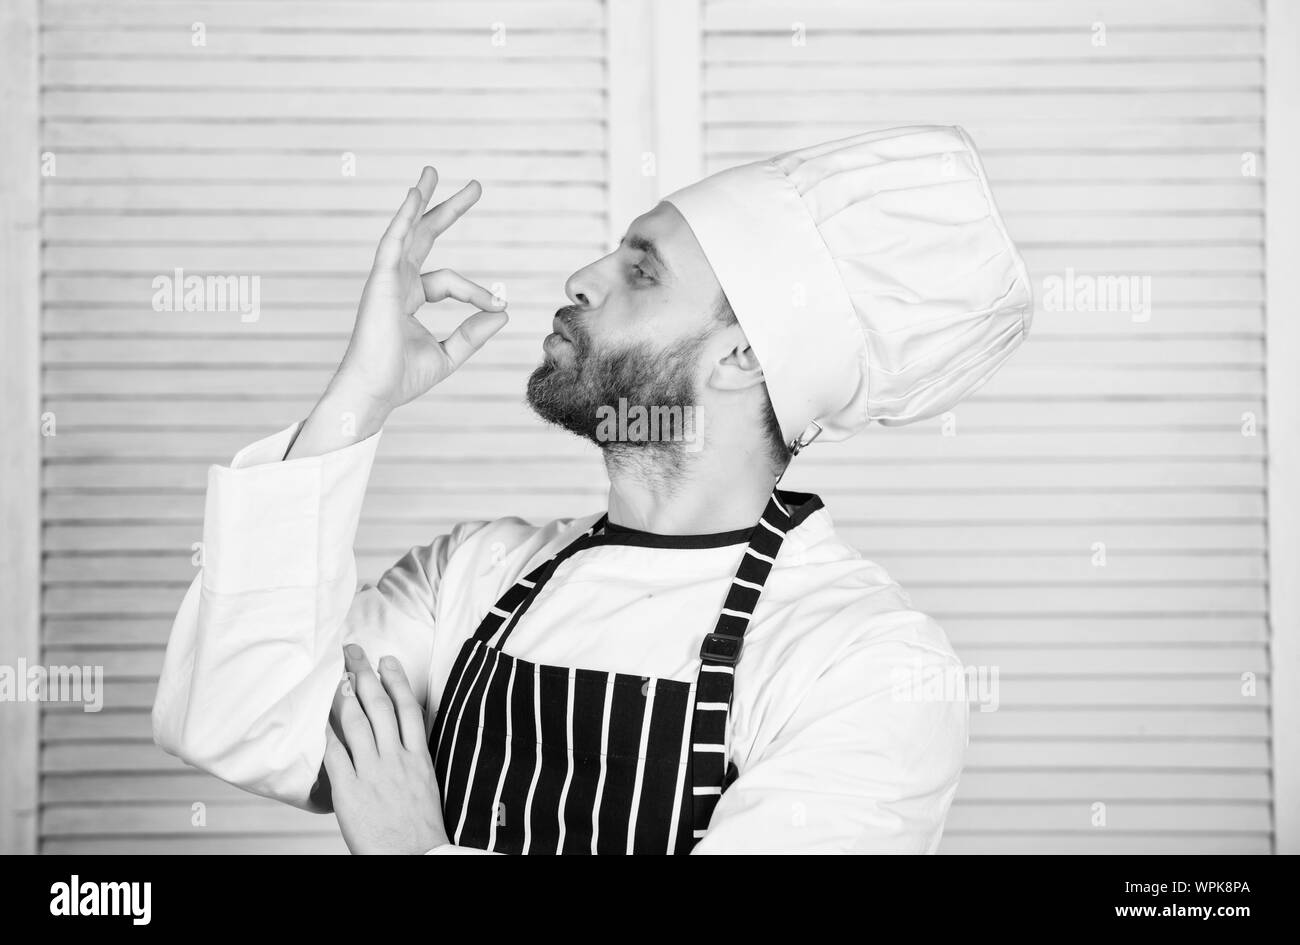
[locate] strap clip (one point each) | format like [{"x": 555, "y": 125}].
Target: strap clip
[
  {"x": 799, "y": 442},
  {"x": 720, "y": 648}
]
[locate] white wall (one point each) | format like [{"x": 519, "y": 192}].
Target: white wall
[
  {"x": 229, "y": 158},
  {"x": 1121, "y": 685}
]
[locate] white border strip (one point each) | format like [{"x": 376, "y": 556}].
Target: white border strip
[
  {"x": 1282, "y": 336},
  {"x": 20, "y": 392}
]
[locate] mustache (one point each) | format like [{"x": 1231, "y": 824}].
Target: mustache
[{"x": 569, "y": 316}]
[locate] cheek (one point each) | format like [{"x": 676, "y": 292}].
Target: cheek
[
  {"x": 656, "y": 317},
  {"x": 669, "y": 312},
  {"x": 629, "y": 317}
]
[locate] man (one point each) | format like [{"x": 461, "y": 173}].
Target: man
[{"x": 704, "y": 667}]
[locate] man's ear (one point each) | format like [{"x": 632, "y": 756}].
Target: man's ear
[{"x": 738, "y": 369}]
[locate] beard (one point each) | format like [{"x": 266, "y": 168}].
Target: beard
[{"x": 571, "y": 395}]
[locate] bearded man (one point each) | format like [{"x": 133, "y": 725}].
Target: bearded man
[{"x": 701, "y": 666}]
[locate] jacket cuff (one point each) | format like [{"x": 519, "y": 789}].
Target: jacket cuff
[{"x": 273, "y": 523}]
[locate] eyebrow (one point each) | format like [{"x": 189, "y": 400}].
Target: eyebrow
[{"x": 641, "y": 244}]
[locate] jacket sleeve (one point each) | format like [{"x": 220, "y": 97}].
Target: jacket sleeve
[
  {"x": 868, "y": 762},
  {"x": 256, "y": 649}
]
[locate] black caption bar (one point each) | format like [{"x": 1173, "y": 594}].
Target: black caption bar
[{"x": 232, "y": 895}]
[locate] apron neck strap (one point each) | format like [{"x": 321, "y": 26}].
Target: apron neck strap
[
  {"x": 515, "y": 601},
  {"x": 710, "y": 737},
  {"x": 722, "y": 646}
]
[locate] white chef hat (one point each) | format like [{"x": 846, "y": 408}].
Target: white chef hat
[{"x": 873, "y": 276}]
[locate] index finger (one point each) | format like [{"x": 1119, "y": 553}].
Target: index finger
[
  {"x": 447, "y": 283},
  {"x": 410, "y": 717},
  {"x": 354, "y": 725},
  {"x": 376, "y": 705}
]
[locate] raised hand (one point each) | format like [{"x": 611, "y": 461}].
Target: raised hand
[{"x": 391, "y": 358}]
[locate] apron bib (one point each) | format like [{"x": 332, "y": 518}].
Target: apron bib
[{"x": 533, "y": 758}]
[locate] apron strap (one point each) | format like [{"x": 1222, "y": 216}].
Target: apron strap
[
  {"x": 711, "y": 770},
  {"x": 512, "y": 604}
]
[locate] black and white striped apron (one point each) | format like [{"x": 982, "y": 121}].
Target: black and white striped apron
[{"x": 555, "y": 759}]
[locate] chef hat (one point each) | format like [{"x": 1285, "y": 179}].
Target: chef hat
[{"x": 873, "y": 276}]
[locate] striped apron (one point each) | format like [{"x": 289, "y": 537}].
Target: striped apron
[{"x": 554, "y": 759}]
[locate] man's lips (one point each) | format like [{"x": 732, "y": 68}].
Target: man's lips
[{"x": 558, "y": 328}]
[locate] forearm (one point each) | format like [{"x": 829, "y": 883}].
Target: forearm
[
  {"x": 245, "y": 697},
  {"x": 255, "y": 650},
  {"x": 344, "y": 415}
]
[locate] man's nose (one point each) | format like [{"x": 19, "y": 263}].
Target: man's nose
[{"x": 583, "y": 288}]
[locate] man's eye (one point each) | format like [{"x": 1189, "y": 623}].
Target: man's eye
[{"x": 640, "y": 273}]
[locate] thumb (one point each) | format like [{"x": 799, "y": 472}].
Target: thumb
[{"x": 472, "y": 334}]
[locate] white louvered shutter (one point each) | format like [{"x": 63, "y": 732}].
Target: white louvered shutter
[
  {"x": 228, "y": 159},
  {"x": 1120, "y": 686}
]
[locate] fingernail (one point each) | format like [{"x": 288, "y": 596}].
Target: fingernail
[
  {"x": 354, "y": 651},
  {"x": 388, "y": 663}
]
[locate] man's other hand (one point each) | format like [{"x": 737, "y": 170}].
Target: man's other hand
[{"x": 385, "y": 794}]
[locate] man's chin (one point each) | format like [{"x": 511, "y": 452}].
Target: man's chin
[
  {"x": 550, "y": 391},
  {"x": 546, "y": 381}
]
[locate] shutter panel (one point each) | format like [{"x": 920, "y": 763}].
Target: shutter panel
[
  {"x": 227, "y": 159},
  {"x": 1120, "y": 685}
]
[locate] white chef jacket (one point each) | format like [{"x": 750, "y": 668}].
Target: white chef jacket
[{"x": 833, "y": 756}]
